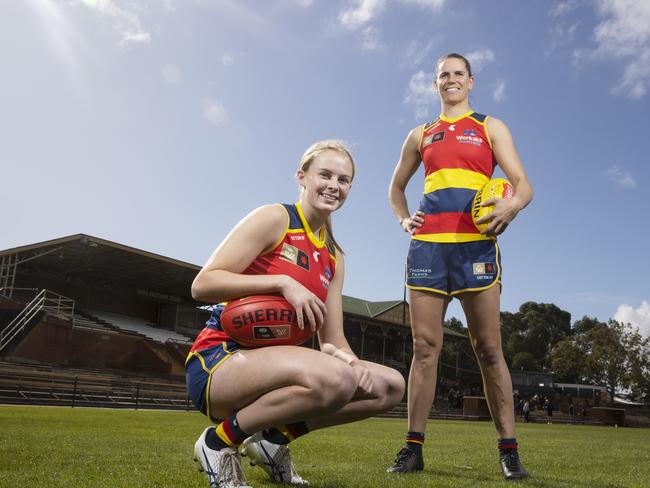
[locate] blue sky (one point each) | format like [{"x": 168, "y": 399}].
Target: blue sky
[{"x": 160, "y": 123}]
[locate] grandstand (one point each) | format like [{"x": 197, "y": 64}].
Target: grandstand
[
  {"x": 94, "y": 307},
  {"x": 87, "y": 321}
]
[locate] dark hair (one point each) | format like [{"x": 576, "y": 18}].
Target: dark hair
[{"x": 457, "y": 56}]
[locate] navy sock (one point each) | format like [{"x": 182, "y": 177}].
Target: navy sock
[
  {"x": 414, "y": 441},
  {"x": 285, "y": 433},
  {"x": 226, "y": 434},
  {"x": 506, "y": 445}
]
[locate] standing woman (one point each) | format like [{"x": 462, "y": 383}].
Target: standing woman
[
  {"x": 264, "y": 398},
  {"x": 449, "y": 257}
]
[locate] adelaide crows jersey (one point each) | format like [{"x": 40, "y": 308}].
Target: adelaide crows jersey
[
  {"x": 299, "y": 253},
  {"x": 458, "y": 160}
]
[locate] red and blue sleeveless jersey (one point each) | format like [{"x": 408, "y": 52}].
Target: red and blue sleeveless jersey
[
  {"x": 299, "y": 253},
  {"x": 458, "y": 160}
]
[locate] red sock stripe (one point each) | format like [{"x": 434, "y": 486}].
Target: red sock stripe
[
  {"x": 415, "y": 439},
  {"x": 508, "y": 446},
  {"x": 228, "y": 431},
  {"x": 293, "y": 430}
]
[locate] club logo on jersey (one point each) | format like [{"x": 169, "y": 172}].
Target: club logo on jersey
[
  {"x": 483, "y": 268},
  {"x": 295, "y": 256},
  {"x": 469, "y": 132},
  {"x": 437, "y": 137}
]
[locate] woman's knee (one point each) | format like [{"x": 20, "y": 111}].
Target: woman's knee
[
  {"x": 392, "y": 391},
  {"x": 489, "y": 354},
  {"x": 331, "y": 387},
  {"x": 426, "y": 349}
]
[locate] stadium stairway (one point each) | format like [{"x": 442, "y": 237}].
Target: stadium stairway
[{"x": 135, "y": 325}]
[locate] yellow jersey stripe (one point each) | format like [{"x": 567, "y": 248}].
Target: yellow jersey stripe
[
  {"x": 451, "y": 237},
  {"x": 454, "y": 178}
]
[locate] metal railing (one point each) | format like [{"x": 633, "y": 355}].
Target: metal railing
[
  {"x": 45, "y": 301},
  {"x": 78, "y": 388}
]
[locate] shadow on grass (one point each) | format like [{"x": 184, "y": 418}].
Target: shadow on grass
[{"x": 470, "y": 477}]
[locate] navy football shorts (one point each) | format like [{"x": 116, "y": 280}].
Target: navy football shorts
[
  {"x": 453, "y": 268},
  {"x": 199, "y": 368}
]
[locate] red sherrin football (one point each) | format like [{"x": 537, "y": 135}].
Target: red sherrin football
[{"x": 263, "y": 320}]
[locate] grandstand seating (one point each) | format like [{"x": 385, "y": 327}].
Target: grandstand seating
[
  {"x": 137, "y": 325},
  {"x": 48, "y": 385}
]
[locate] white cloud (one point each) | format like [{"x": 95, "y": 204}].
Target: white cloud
[
  {"x": 364, "y": 12},
  {"x": 479, "y": 59},
  {"x": 623, "y": 34},
  {"x": 563, "y": 7},
  {"x": 370, "y": 38},
  {"x": 171, "y": 74},
  {"x": 635, "y": 78},
  {"x": 499, "y": 93},
  {"x": 638, "y": 317},
  {"x": 562, "y": 35},
  {"x": 227, "y": 59},
  {"x": 620, "y": 177},
  {"x": 214, "y": 112},
  {"x": 361, "y": 15},
  {"x": 127, "y": 22},
  {"x": 417, "y": 53},
  {"x": 420, "y": 94},
  {"x": 434, "y": 5}
]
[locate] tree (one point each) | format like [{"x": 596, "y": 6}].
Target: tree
[
  {"x": 606, "y": 357},
  {"x": 534, "y": 329},
  {"x": 568, "y": 361},
  {"x": 585, "y": 324},
  {"x": 525, "y": 361},
  {"x": 612, "y": 354}
]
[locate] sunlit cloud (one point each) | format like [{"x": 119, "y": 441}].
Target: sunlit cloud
[
  {"x": 434, "y": 5},
  {"x": 558, "y": 9},
  {"x": 363, "y": 13},
  {"x": 227, "y": 59},
  {"x": 370, "y": 38},
  {"x": 499, "y": 93},
  {"x": 621, "y": 177},
  {"x": 418, "y": 53},
  {"x": 126, "y": 21},
  {"x": 637, "y": 317},
  {"x": 171, "y": 74},
  {"x": 622, "y": 35},
  {"x": 420, "y": 94},
  {"x": 214, "y": 112},
  {"x": 479, "y": 59}
]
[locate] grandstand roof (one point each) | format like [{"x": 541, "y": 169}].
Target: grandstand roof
[
  {"x": 93, "y": 261},
  {"x": 365, "y": 308},
  {"x": 377, "y": 310}
]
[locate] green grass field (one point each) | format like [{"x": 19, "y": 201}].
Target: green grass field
[{"x": 65, "y": 447}]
